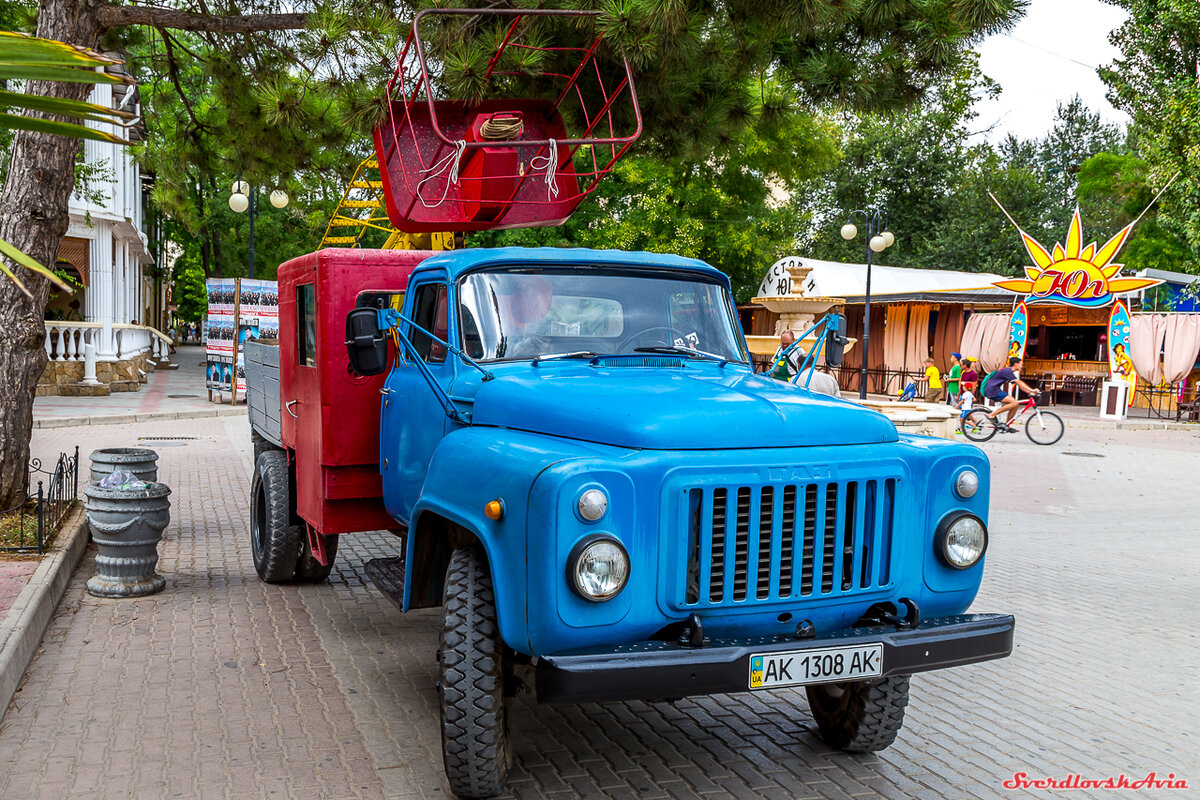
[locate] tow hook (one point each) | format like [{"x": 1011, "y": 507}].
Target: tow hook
[
  {"x": 693, "y": 634},
  {"x": 911, "y": 618}
]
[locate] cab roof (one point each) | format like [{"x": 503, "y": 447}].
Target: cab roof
[{"x": 457, "y": 262}]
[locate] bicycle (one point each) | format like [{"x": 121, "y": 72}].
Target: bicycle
[{"x": 1042, "y": 427}]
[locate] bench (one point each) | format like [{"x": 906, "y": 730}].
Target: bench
[{"x": 1083, "y": 389}]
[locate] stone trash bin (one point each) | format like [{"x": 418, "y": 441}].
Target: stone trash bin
[
  {"x": 141, "y": 461},
  {"x": 127, "y": 525}
]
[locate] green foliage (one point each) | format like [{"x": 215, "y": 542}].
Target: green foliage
[
  {"x": 1157, "y": 81},
  {"x": 730, "y": 211},
  {"x": 924, "y": 169},
  {"x": 1113, "y": 191}
]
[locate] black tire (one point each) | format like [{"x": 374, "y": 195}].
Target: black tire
[
  {"x": 475, "y": 743},
  {"x": 977, "y": 426},
  {"x": 1044, "y": 427},
  {"x": 860, "y": 716},
  {"x": 308, "y": 568},
  {"x": 274, "y": 541}
]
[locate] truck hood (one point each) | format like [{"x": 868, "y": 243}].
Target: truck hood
[{"x": 694, "y": 408}]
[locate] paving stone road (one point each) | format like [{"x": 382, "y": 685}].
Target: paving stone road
[{"x": 225, "y": 687}]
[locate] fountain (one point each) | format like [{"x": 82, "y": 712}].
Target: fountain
[{"x": 783, "y": 291}]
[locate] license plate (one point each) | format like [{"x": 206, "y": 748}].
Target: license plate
[{"x": 798, "y": 667}]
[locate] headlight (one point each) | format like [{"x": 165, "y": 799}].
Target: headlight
[
  {"x": 961, "y": 540},
  {"x": 598, "y": 568},
  {"x": 966, "y": 484},
  {"x": 592, "y": 504}
]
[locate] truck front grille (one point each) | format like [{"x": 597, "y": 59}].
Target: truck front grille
[{"x": 785, "y": 541}]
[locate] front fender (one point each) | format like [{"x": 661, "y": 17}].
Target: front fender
[{"x": 470, "y": 468}]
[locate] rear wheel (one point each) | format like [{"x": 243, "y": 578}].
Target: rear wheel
[
  {"x": 860, "y": 716},
  {"x": 1044, "y": 427},
  {"x": 274, "y": 540},
  {"x": 307, "y": 566},
  {"x": 475, "y": 744},
  {"x": 977, "y": 426}
]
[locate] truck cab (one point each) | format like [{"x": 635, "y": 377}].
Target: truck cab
[{"x": 608, "y": 502}]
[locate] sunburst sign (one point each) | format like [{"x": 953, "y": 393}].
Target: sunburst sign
[{"x": 1075, "y": 274}]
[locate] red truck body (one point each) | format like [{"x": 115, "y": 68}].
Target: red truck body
[{"x": 330, "y": 417}]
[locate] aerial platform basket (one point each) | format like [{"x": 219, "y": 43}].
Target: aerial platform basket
[{"x": 503, "y": 163}]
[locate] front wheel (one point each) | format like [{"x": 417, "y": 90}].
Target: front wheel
[
  {"x": 1044, "y": 427},
  {"x": 860, "y": 716},
  {"x": 475, "y": 744},
  {"x": 977, "y": 426}
]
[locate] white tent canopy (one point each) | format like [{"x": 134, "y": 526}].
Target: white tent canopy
[{"x": 835, "y": 279}]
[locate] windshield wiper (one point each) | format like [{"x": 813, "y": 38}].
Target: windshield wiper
[
  {"x": 558, "y": 356},
  {"x": 683, "y": 351}
]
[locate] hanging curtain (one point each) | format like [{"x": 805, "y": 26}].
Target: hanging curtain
[
  {"x": 852, "y": 361},
  {"x": 986, "y": 337},
  {"x": 1146, "y": 335},
  {"x": 1182, "y": 346},
  {"x": 894, "y": 343},
  {"x": 947, "y": 335},
  {"x": 875, "y": 358},
  {"x": 917, "y": 343}
]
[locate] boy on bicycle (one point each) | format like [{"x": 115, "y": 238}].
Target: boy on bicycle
[{"x": 997, "y": 389}]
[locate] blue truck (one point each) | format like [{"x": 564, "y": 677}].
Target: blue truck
[{"x": 588, "y": 476}]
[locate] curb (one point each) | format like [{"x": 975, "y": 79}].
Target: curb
[
  {"x": 21, "y": 631},
  {"x": 125, "y": 419}
]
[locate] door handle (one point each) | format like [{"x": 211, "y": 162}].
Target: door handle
[{"x": 288, "y": 407}]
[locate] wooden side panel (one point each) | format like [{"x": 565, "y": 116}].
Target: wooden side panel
[{"x": 262, "y": 390}]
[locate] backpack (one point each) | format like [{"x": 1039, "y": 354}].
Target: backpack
[{"x": 983, "y": 384}]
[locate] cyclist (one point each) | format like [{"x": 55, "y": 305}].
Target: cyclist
[{"x": 997, "y": 389}]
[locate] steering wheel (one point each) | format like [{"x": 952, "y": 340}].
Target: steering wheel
[{"x": 633, "y": 337}]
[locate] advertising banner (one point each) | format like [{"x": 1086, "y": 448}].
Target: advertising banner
[{"x": 238, "y": 309}]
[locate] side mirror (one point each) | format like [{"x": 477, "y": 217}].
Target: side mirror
[
  {"x": 835, "y": 339},
  {"x": 366, "y": 345}
]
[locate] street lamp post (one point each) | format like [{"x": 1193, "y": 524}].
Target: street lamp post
[
  {"x": 245, "y": 198},
  {"x": 877, "y": 239}
]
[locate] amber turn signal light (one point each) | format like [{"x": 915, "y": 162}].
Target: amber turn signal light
[{"x": 494, "y": 510}]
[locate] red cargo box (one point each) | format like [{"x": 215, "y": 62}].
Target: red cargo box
[{"x": 330, "y": 415}]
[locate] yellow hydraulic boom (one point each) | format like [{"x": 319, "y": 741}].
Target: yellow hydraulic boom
[{"x": 361, "y": 209}]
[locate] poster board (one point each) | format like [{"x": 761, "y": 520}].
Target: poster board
[{"x": 238, "y": 309}]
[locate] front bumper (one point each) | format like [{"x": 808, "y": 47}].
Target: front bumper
[{"x": 659, "y": 670}]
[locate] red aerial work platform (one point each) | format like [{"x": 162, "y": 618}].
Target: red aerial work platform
[{"x": 501, "y": 163}]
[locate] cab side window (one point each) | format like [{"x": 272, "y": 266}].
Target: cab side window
[
  {"x": 306, "y": 325},
  {"x": 430, "y": 313}
]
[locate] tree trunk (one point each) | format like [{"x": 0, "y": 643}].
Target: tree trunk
[{"x": 34, "y": 218}]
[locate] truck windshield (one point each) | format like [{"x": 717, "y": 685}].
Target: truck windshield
[{"x": 523, "y": 313}]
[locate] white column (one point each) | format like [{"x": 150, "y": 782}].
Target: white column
[
  {"x": 101, "y": 296},
  {"x": 89, "y": 364}
]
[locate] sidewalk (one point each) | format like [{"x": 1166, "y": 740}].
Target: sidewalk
[
  {"x": 215, "y": 687},
  {"x": 169, "y": 394}
]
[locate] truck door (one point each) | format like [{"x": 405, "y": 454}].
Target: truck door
[{"x": 413, "y": 421}]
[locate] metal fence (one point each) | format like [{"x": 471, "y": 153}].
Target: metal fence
[
  {"x": 1166, "y": 403},
  {"x": 39, "y": 514}
]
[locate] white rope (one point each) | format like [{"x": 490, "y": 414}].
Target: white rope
[
  {"x": 551, "y": 167},
  {"x": 449, "y": 161}
]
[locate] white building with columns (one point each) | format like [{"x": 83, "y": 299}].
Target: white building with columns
[{"x": 107, "y": 252}]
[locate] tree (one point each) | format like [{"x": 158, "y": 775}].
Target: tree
[
  {"x": 313, "y": 75},
  {"x": 1112, "y": 192},
  {"x": 1157, "y": 82}
]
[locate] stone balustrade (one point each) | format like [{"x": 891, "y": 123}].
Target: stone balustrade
[{"x": 65, "y": 340}]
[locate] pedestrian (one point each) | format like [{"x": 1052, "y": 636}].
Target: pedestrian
[
  {"x": 970, "y": 376},
  {"x": 953, "y": 378},
  {"x": 933, "y": 391},
  {"x": 788, "y": 357},
  {"x": 964, "y": 404}
]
